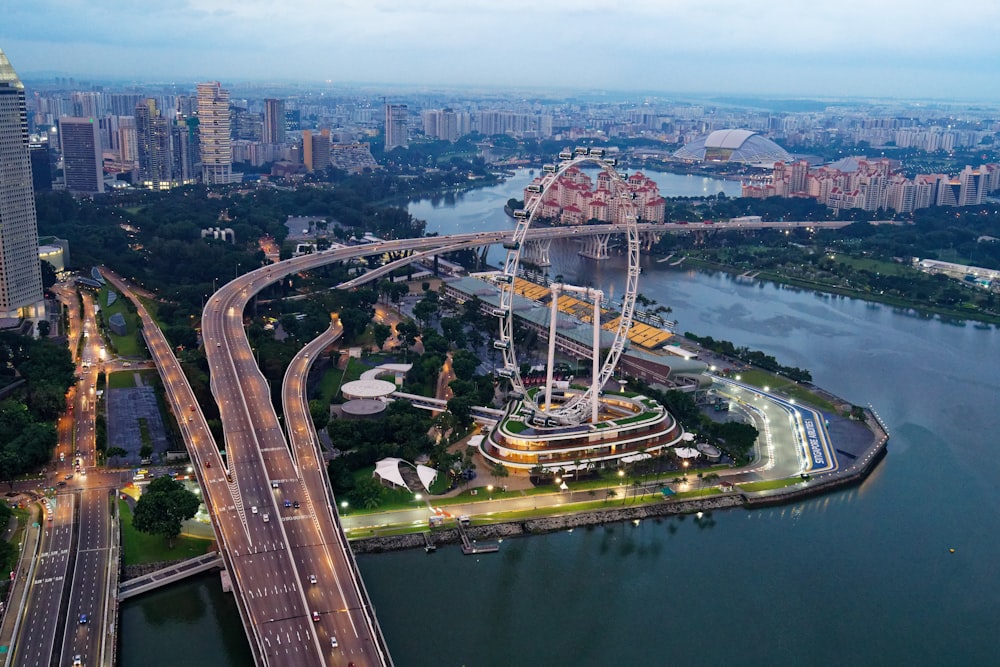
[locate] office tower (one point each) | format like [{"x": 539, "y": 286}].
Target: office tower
[
  {"x": 395, "y": 126},
  {"x": 83, "y": 162},
  {"x": 20, "y": 271},
  {"x": 152, "y": 137},
  {"x": 213, "y": 129},
  {"x": 41, "y": 165},
  {"x": 274, "y": 121}
]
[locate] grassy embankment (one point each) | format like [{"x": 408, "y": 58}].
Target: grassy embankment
[
  {"x": 887, "y": 268},
  {"x": 130, "y": 345},
  {"x": 139, "y": 548}
]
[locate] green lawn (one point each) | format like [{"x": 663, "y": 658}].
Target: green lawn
[
  {"x": 141, "y": 548},
  {"x": 774, "y": 383},
  {"x": 128, "y": 345},
  {"x": 877, "y": 266},
  {"x": 329, "y": 386},
  {"x": 769, "y": 485},
  {"x": 126, "y": 379}
]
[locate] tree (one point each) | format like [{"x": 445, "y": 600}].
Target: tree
[
  {"x": 162, "y": 508},
  {"x": 44, "y": 327},
  {"x": 367, "y": 493},
  {"x": 499, "y": 471},
  {"x": 381, "y": 333},
  {"x": 320, "y": 414}
]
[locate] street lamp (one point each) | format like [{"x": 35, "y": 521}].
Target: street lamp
[{"x": 343, "y": 506}]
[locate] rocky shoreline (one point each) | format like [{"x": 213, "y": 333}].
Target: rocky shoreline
[{"x": 548, "y": 524}]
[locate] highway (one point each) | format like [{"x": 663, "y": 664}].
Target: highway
[
  {"x": 39, "y": 626},
  {"x": 90, "y": 583},
  {"x": 338, "y": 576},
  {"x": 74, "y": 561},
  {"x": 273, "y": 551}
]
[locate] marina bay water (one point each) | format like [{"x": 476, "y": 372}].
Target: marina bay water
[{"x": 863, "y": 576}]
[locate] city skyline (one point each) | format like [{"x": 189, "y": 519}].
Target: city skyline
[{"x": 885, "y": 49}]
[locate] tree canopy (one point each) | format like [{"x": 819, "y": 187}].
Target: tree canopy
[{"x": 163, "y": 507}]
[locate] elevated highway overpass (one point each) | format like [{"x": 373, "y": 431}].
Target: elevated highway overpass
[{"x": 275, "y": 552}]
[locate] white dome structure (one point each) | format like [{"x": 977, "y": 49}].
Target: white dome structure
[{"x": 741, "y": 146}]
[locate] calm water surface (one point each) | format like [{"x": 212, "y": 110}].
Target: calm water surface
[{"x": 860, "y": 577}]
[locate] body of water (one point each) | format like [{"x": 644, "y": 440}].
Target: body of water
[
  {"x": 861, "y": 577},
  {"x": 482, "y": 210}
]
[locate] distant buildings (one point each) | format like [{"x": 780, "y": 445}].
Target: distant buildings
[
  {"x": 352, "y": 158},
  {"x": 872, "y": 184},
  {"x": 214, "y": 133},
  {"x": 316, "y": 150},
  {"x": 733, "y": 146},
  {"x": 83, "y": 161},
  {"x": 395, "y": 126},
  {"x": 571, "y": 199},
  {"x": 155, "y": 157},
  {"x": 20, "y": 271},
  {"x": 274, "y": 121}
]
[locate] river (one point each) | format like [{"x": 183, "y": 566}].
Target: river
[{"x": 863, "y": 576}]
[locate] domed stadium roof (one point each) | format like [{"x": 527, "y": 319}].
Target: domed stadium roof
[{"x": 733, "y": 146}]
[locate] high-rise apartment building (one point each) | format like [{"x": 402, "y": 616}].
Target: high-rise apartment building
[
  {"x": 395, "y": 126},
  {"x": 316, "y": 150},
  {"x": 214, "y": 132},
  {"x": 274, "y": 121},
  {"x": 83, "y": 160},
  {"x": 20, "y": 271}
]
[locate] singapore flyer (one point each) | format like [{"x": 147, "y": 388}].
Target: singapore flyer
[{"x": 579, "y": 407}]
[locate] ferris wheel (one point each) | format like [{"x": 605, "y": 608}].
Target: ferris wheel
[{"x": 579, "y": 405}]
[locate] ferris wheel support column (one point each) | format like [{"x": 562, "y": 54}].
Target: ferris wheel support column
[
  {"x": 553, "y": 317},
  {"x": 597, "y": 356}
]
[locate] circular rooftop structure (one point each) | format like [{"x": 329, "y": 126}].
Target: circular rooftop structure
[
  {"x": 363, "y": 407},
  {"x": 369, "y": 389},
  {"x": 741, "y": 146}
]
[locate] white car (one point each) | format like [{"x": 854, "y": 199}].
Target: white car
[
  {"x": 253, "y": 510},
  {"x": 266, "y": 517},
  {"x": 333, "y": 642},
  {"x": 312, "y": 578}
]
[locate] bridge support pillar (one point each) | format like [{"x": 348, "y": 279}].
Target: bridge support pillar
[
  {"x": 537, "y": 252},
  {"x": 595, "y": 246},
  {"x": 649, "y": 239}
]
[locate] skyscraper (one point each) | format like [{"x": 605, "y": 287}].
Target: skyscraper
[
  {"x": 274, "y": 121},
  {"x": 20, "y": 271},
  {"x": 83, "y": 162},
  {"x": 152, "y": 134},
  {"x": 214, "y": 130},
  {"x": 395, "y": 126}
]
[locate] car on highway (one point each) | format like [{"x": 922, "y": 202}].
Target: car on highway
[
  {"x": 312, "y": 578},
  {"x": 83, "y": 619},
  {"x": 333, "y": 642},
  {"x": 69, "y": 476},
  {"x": 77, "y": 661},
  {"x": 266, "y": 517},
  {"x": 288, "y": 503},
  {"x": 295, "y": 504},
  {"x": 253, "y": 510},
  {"x": 315, "y": 616},
  {"x": 274, "y": 485}
]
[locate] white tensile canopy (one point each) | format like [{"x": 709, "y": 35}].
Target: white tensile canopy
[{"x": 388, "y": 469}]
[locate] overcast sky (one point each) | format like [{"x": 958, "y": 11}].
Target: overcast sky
[{"x": 911, "y": 48}]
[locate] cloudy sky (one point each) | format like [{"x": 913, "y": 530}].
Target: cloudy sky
[{"x": 912, "y": 48}]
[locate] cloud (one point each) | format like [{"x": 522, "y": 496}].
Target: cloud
[{"x": 540, "y": 42}]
